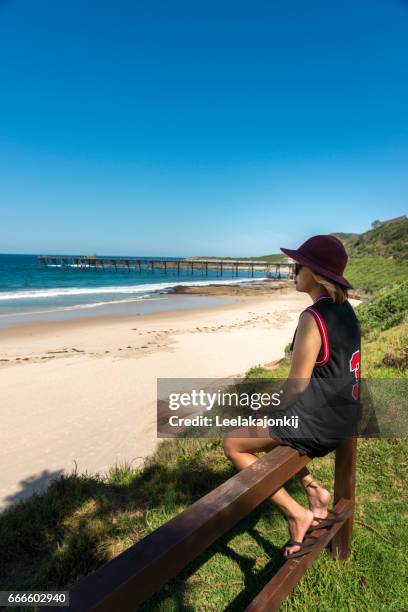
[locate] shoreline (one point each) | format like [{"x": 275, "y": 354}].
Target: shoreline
[
  {"x": 175, "y": 311},
  {"x": 98, "y": 318},
  {"x": 83, "y": 392},
  {"x": 180, "y": 296}
]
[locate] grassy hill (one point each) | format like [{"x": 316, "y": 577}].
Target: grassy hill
[
  {"x": 378, "y": 258},
  {"x": 346, "y": 237},
  {"x": 274, "y": 258},
  {"x": 370, "y": 274},
  {"x": 388, "y": 240}
]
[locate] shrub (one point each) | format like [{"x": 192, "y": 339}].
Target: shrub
[{"x": 387, "y": 309}]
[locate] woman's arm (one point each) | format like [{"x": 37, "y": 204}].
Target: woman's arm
[
  {"x": 305, "y": 351},
  {"x": 306, "y": 348}
]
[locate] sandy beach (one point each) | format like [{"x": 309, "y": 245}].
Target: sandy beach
[{"x": 83, "y": 392}]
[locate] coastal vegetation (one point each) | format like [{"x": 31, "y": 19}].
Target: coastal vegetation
[
  {"x": 54, "y": 538},
  {"x": 386, "y": 241}
]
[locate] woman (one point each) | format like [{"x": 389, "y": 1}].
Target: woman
[{"x": 323, "y": 386}]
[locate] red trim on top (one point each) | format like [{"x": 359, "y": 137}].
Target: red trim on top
[{"x": 323, "y": 333}]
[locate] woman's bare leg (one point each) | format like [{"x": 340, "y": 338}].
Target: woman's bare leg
[
  {"x": 240, "y": 451},
  {"x": 318, "y": 496}
]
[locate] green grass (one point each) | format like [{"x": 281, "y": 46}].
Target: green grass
[
  {"x": 52, "y": 539},
  {"x": 368, "y": 275},
  {"x": 388, "y": 309},
  {"x": 385, "y": 352}
]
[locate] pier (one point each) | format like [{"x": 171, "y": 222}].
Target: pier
[{"x": 168, "y": 265}]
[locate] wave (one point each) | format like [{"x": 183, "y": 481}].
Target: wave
[
  {"x": 111, "y": 290},
  {"x": 71, "y": 266}
]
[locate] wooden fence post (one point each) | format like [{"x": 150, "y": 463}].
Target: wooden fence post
[{"x": 344, "y": 487}]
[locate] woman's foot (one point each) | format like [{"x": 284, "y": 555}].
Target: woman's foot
[
  {"x": 298, "y": 525},
  {"x": 319, "y": 499}
]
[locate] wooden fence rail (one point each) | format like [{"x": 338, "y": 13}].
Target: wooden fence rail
[{"x": 136, "y": 574}]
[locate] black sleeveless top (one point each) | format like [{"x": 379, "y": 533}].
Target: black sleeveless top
[
  {"x": 329, "y": 410},
  {"x": 339, "y": 328}
]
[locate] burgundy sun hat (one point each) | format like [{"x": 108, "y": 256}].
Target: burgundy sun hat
[{"x": 323, "y": 254}]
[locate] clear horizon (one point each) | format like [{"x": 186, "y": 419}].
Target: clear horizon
[
  {"x": 222, "y": 129},
  {"x": 68, "y": 254}
]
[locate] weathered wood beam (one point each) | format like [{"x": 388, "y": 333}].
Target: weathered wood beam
[
  {"x": 137, "y": 573},
  {"x": 287, "y": 577}
]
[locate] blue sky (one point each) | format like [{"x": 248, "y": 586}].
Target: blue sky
[{"x": 182, "y": 128}]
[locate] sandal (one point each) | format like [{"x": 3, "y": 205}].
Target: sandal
[
  {"x": 305, "y": 547},
  {"x": 325, "y": 523}
]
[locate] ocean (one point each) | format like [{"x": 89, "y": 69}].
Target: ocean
[{"x": 29, "y": 291}]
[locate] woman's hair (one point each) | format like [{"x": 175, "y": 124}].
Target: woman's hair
[{"x": 338, "y": 293}]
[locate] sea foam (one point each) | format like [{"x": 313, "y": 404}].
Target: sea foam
[{"x": 113, "y": 289}]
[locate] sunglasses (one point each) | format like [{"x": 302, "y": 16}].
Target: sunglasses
[{"x": 298, "y": 267}]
